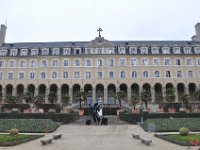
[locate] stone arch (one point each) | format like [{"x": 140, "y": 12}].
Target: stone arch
[
  {"x": 123, "y": 87},
  {"x": 146, "y": 87},
  {"x": 64, "y": 90},
  {"x": 20, "y": 92},
  {"x": 42, "y": 91},
  {"x": 76, "y": 88},
  {"x": 99, "y": 92},
  {"x": 158, "y": 91},
  {"x": 169, "y": 86},
  {"x": 180, "y": 91},
  {"x": 111, "y": 94},
  {"x": 135, "y": 89},
  {"x": 192, "y": 89},
  {"x": 88, "y": 92}
]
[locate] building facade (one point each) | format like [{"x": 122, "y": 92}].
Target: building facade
[{"x": 99, "y": 67}]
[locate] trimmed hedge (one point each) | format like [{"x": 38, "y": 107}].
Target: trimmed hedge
[
  {"x": 136, "y": 117},
  {"x": 173, "y": 124},
  {"x": 28, "y": 125},
  {"x": 57, "y": 117},
  {"x": 106, "y": 111}
]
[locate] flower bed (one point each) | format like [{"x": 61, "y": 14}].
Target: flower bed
[
  {"x": 10, "y": 140},
  {"x": 189, "y": 140},
  {"x": 28, "y": 125},
  {"x": 173, "y": 124}
]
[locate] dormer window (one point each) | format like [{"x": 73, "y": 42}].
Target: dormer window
[
  {"x": 165, "y": 50},
  {"x": 133, "y": 50},
  {"x": 154, "y": 50},
  {"x": 176, "y": 50},
  {"x": 23, "y": 52},
  {"x": 77, "y": 51},
  {"x": 121, "y": 50},
  {"x": 100, "y": 50},
  {"x": 3, "y": 52},
  {"x": 56, "y": 51},
  {"x": 197, "y": 50},
  {"x": 187, "y": 50},
  {"x": 87, "y": 50},
  {"x": 34, "y": 52},
  {"x": 66, "y": 51},
  {"x": 45, "y": 51},
  {"x": 144, "y": 50},
  {"x": 111, "y": 50},
  {"x": 13, "y": 52}
]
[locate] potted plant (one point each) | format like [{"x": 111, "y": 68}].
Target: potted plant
[
  {"x": 81, "y": 97},
  {"x": 37, "y": 101},
  {"x": 170, "y": 98},
  {"x": 145, "y": 97},
  {"x": 65, "y": 101},
  {"x": 12, "y": 100},
  {"x": 119, "y": 95},
  {"x": 134, "y": 100},
  {"x": 52, "y": 98}
]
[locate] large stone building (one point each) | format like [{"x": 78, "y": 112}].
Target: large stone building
[{"x": 100, "y": 67}]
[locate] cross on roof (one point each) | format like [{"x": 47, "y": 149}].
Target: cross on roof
[{"x": 99, "y": 30}]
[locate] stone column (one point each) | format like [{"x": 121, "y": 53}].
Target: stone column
[
  {"x": 176, "y": 94},
  {"x": 93, "y": 95},
  {"x": 186, "y": 90},
  {"x": 4, "y": 95},
  {"x": 70, "y": 94},
  {"x": 153, "y": 94},
  {"x": 59, "y": 95},
  {"x": 14, "y": 92},
  {"x": 46, "y": 95},
  {"x": 129, "y": 93},
  {"x": 163, "y": 91},
  {"x": 36, "y": 92},
  {"x": 105, "y": 99}
]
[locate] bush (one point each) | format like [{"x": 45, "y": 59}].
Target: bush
[
  {"x": 13, "y": 131},
  {"x": 183, "y": 131}
]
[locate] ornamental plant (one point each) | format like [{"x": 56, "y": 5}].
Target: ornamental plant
[
  {"x": 13, "y": 131},
  {"x": 183, "y": 131}
]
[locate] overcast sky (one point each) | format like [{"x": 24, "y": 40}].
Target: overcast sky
[{"x": 78, "y": 20}]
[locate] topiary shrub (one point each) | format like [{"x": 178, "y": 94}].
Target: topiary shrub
[
  {"x": 183, "y": 131},
  {"x": 13, "y": 131}
]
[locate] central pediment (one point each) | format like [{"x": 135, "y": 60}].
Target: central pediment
[{"x": 100, "y": 42}]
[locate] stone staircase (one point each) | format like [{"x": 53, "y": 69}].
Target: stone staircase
[{"x": 112, "y": 120}]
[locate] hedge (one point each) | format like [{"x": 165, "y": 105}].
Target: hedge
[
  {"x": 136, "y": 117},
  {"x": 106, "y": 111},
  {"x": 173, "y": 124},
  {"x": 57, "y": 117},
  {"x": 28, "y": 125}
]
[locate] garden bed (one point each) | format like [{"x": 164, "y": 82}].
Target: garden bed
[
  {"x": 189, "y": 140},
  {"x": 11, "y": 140}
]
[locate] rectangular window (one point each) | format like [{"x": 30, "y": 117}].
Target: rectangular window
[
  {"x": 144, "y": 62},
  {"x": 133, "y": 50},
  {"x": 12, "y": 64},
  {"x": 144, "y": 50},
  {"x": 23, "y": 52},
  {"x": 111, "y": 62},
  {"x": 66, "y": 63},
  {"x": 155, "y": 62},
  {"x": 55, "y": 63},
  {"x": 154, "y": 50},
  {"x": 133, "y": 62},
  {"x": 34, "y": 52},
  {"x": 43, "y": 75},
  {"x": 10, "y": 75},
  {"x": 76, "y": 75},
  {"x": 44, "y": 63},
  {"x": 122, "y": 62},
  {"x": 13, "y": 53},
  {"x": 88, "y": 75},
  {"x": 65, "y": 75},
  {"x": 56, "y": 51},
  {"x": 3, "y": 53},
  {"x": 99, "y": 75},
  {"x": 190, "y": 74},
  {"x": 189, "y": 62},
  {"x": 111, "y": 74},
  {"x": 21, "y": 75},
  {"x": 1, "y": 64},
  {"x": 168, "y": 74},
  {"x": 32, "y": 75},
  {"x": 77, "y": 63},
  {"x": 1, "y": 75},
  {"x": 45, "y": 51},
  {"x": 22, "y": 64},
  {"x": 179, "y": 75},
  {"x": 88, "y": 62},
  {"x": 178, "y": 62},
  {"x": 166, "y": 62}
]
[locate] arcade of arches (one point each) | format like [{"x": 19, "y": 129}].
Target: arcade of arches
[{"x": 98, "y": 91}]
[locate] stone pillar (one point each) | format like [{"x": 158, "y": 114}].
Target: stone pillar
[
  {"x": 14, "y": 92},
  {"x": 163, "y": 91},
  {"x": 176, "y": 94},
  {"x": 59, "y": 95},
  {"x": 93, "y": 95},
  {"x": 105, "y": 99},
  {"x": 129, "y": 93},
  {"x": 46, "y": 95},
  {"x": 70, "y": 94},
  {"x": 186, "y": 91},
  {"x": 36, "y": 92},
  {"x": 4, "y": 95},
  {"x": 153, "y": 94}
]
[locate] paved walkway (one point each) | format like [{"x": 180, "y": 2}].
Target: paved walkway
[{"x": 111, "y": 137}]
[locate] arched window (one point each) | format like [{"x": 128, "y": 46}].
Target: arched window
[
  {"x": 123, "y": 74},
  {"x": 134, "y": 74},
  {"x": 145, "y": 74},
  {"x": 157, "y": 74},
  {"x": 33, "y": 63},
  {"x": 54, "y": 75}
]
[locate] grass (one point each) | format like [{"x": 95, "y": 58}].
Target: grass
[
  {"x": 11, "y": 140},
  {"x": 180, "y": 140}
]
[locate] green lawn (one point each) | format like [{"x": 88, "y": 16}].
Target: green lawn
[
  {"x": 181, "y": 140},
  {"x": 11, "y": 140}
]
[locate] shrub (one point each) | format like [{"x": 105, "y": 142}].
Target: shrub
[
  {"x": 13, "y": 131},
  {"x": 183, "y": 131}
]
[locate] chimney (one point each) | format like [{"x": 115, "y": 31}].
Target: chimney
[
  {"x": 2, "y": 34},
  {"x": 197, "y": 28}
]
